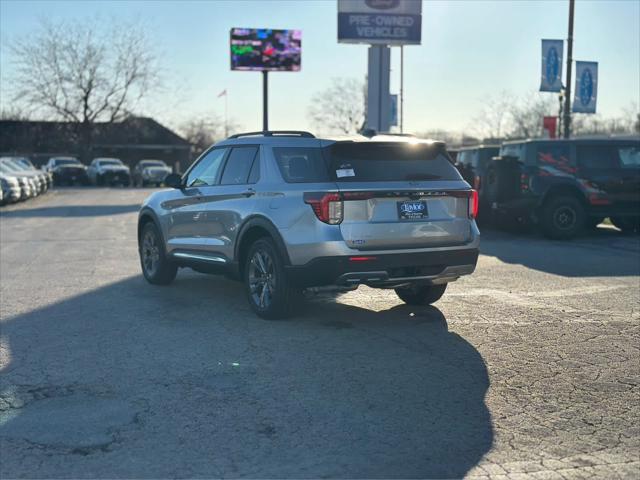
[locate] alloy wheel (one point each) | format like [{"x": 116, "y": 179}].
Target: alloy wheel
[
  {"x": 150, "y": 253},
  {"x": 262, "y": 279}
]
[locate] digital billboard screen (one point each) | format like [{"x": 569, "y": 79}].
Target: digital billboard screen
[{"x": 264, "y": 49}]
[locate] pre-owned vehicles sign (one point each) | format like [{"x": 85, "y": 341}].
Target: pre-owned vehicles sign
[{"x": 386, "y": 22}]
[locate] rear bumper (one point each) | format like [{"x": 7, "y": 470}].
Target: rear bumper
[{"x": 387, "y": 270}]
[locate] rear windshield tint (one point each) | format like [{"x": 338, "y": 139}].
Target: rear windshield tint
[
  {"x": 301, "y": 165},
  {"x": 360, "y": 162}
]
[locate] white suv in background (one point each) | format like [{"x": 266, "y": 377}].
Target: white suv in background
[{"x": 109, "y": 171}]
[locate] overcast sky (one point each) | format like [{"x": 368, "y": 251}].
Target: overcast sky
[{"x": 470, "y": 50}]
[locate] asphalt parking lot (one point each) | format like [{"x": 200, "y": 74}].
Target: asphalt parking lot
[{"x": 530, "y": 368}]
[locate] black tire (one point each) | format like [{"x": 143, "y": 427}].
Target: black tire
[
  {"x": 421, "y": 294},
  {"x": 562, "y": 217},
  {"x": 627, "y": 224},
  {"x": 157, "y": 268},
  {"x": 269, "y": 292}
]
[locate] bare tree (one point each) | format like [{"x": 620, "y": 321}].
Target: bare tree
[
  {"x": 493, "y": 120},
  {"x": 340, "y": 107},
  {"x": 202, "y": 132},
  {"x": 82, "y": 72},
  {"x": 526, "y": 114},
  {"x": 596, "y": 124}
]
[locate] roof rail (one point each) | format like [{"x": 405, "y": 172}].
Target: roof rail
[{"x": 275, "y": 133}]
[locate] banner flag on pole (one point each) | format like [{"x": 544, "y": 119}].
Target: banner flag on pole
[
  {"x": 551, "y": 77},
  {"x": 586, "y": 89},
  {"x": 223, "y": 93},
  {"x": 393, "y": 111}
]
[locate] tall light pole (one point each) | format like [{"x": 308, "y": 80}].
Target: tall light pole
[{"x": 567, "y": 87}]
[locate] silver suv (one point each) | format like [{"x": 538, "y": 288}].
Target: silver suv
[{"x": 285, "y": 211}]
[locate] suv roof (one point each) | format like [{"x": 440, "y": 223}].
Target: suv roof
[
  {"x": 591, "y": 139},
  {"x": 280, "y": 137},
  {"x": 477, "y": 147}
]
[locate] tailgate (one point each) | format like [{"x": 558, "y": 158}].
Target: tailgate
[
  {"x": 400, "y": 195},
  {"x": 404, "y": 218}
]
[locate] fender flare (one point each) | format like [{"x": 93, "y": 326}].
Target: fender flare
[
  {"x": 266, "y": 224},
  {"x": 564, "y": 188},
  {"x": 148, "y": 212}
]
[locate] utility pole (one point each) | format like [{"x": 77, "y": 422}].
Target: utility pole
[
  {"x": 567, "y": 87},
  {"x": 401, "y": 88}
]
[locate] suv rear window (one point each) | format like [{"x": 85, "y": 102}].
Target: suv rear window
[
  {"x": 301, "y": 165},
  {"x": 512, "y": 150},
  {"x": 362, "y": 162}
]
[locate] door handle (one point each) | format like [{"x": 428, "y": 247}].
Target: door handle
[{"x": 248, "y": 192}]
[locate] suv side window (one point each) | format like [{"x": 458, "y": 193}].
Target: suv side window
[
  {"x": 236, "y": 170},
  {"x": 301, "y": 164},
  {"x": 205, "y": 172},
  {"x": 596, "y": 157},
  {"x": 629, "y": 156}
]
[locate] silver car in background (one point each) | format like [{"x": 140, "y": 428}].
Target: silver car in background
[
  {"x": 32, "y": 182},
  {"x": 150, "y": 172},
  {"x": 108, "y": 171},
  {"x": 285, "y": 211},
  {"x": 10, "y": 187}
]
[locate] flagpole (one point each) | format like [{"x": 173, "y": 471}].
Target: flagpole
[{"x": 226, "y": 115}]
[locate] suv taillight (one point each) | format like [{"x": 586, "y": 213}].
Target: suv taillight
[
  {"x": 327, "y": 206},
  {"x": 473, "y": 204}
]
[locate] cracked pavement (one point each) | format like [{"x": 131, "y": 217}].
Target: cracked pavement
[{"x": 529, "y": 368}]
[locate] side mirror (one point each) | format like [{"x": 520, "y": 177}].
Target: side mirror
[{"x": 173, "y": 180}]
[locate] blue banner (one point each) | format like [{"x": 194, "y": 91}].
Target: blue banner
[
  {"x": 586, "y": 90},
  {"x": 551, "y": 77},
  {"x": 393, "y": 111}
]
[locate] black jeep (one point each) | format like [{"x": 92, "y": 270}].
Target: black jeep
[
  {"x": 566, "y": 185},
  {"x": 472, "y": 163}
]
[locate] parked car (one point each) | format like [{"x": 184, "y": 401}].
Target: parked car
[
  {"x": 36, "y": 178},
  {"x": 67, "y": 171},
  {"x": 26, "y": 163},
  {"x": 472, "y": 163},
  {"x": 10, "y": 189},
  {"x": 24, "y": 183},
  {"x": 284, "y": 211},
  {"x": 109, "y": 171},
  {"x": 567, "y": 185},
  {"x": 150, "y": 172}
]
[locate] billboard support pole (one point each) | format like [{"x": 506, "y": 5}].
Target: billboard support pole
[
  {"x": 265, "y": 101},
  {"x": 378, "y": 100},
  {"x": 567, "y": 87}
]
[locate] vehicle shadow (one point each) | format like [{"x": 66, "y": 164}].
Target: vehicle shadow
[
  {"x": 147, "y": 381},
  {"x": 71, "y": 211},
  {"x": 603, "y": 252}
]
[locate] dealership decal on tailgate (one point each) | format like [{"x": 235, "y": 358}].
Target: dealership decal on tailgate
[{"x": 412, "y": 210}]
